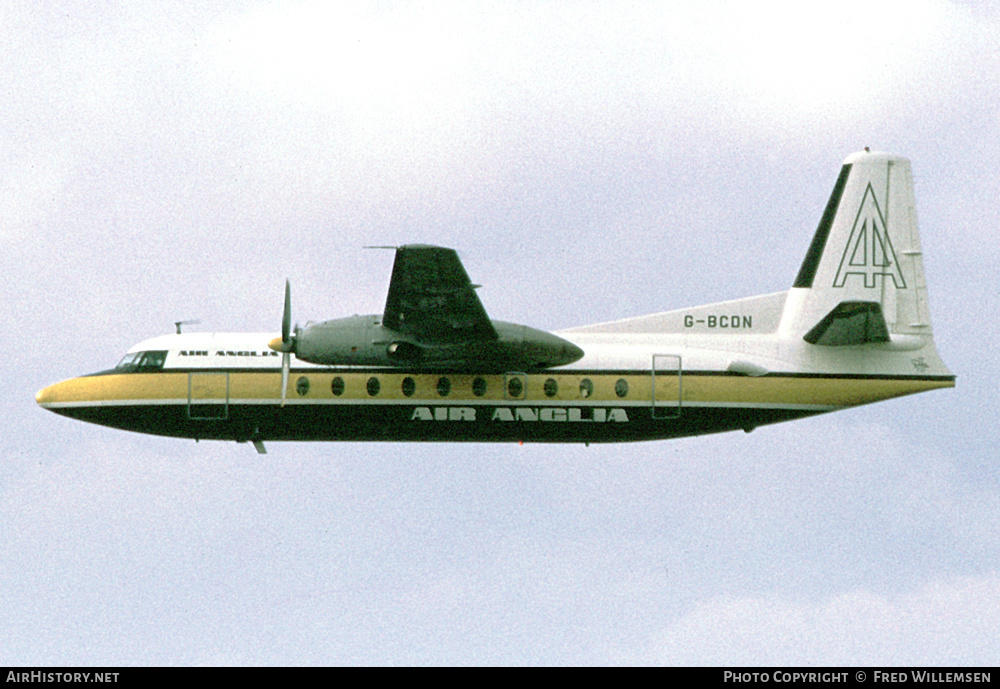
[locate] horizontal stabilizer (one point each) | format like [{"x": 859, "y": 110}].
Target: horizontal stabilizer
[{"x": 850, "y": 323}]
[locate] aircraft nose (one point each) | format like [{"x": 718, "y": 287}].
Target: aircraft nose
[
  {"x": 48, "y": 395},
  {"x": 52, "y": 396}
]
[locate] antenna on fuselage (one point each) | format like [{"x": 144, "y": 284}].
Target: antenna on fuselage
[{"x": 179, "y": 324}]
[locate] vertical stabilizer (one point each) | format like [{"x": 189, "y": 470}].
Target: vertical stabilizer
[{"x": 864, "y": 264}]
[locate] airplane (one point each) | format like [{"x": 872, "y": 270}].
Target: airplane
[{"x": 853, "y": 329}]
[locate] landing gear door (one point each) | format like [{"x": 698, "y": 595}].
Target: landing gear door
[
  {"x": 208, "y": 396},
  {"x": 667, "y": 386}
]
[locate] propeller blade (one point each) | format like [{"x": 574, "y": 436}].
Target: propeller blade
[
  {"x": 286, "y": 317},
  {"x": 286, "y": 344},
  {"x": 285, "y": 363}
]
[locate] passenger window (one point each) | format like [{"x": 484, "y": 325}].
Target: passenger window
[
  {"x": 337, "y": 386},
  {"x": 444, "y": 386},
  {"x": 586, "y": 388},
  {"x": 551, "y": 387},
  {"x": 515, "y": 388},
  {"x": 373, "y": 386},
  {"x": 302, "y": 386},
  {"x": 621, "y": 387},
  {"x": 409, "y": 386},
  {"x": 479, "y": 387}
]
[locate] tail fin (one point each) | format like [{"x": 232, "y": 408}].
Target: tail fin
[{"x": 862, "y": 279}]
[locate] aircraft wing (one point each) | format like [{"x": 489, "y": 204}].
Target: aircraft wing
[{"x": 432, "y": 299}]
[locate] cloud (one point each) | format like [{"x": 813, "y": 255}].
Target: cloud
[
  {"x": 407, "y": 79},
  {"x": 30, "y": 187},
  {"x": 949, "y": 621}
]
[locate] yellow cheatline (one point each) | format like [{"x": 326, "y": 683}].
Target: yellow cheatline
[{"x": 695, "y": 389}]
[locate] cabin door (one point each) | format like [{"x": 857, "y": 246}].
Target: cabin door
[
  {"x": 667, "y": 386},
  {"x": 208, "y": 396}
]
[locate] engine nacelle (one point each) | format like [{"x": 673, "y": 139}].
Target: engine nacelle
[
  {"x": 530, "y": 348},
  {"x": 364, "y": 341}
]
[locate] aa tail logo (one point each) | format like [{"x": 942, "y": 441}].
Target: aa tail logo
[{"x": 869, "y": 251}]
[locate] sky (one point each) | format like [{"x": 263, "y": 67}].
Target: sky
[{"x": 162, "y": 161}]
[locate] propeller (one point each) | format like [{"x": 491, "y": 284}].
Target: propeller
[{"x": 286, "y": 343}]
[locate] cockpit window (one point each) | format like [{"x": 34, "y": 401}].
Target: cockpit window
[
  {"x": 142, "y": 362},
  {"x": 128, "y": 362}
]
